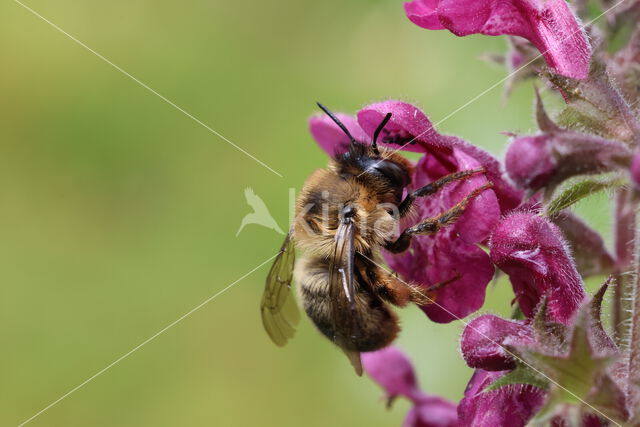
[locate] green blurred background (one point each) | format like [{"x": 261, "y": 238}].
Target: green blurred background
[{"x": 118, "y": 213}]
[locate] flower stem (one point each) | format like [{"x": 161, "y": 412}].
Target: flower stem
[
  {"x": 624, "y": 231},
  {"x": 633, "y": 360}
]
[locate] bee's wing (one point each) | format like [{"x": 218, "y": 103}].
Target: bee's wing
[
  {"x": 343, "y": 295},
  {"x": 280, "y": 313}
]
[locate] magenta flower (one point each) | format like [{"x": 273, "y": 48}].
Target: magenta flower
[
  {"x": 452, "y": 252},
  {"x": 484, "y": 338},
  {"x": 555, "y": 155},
  {"x": 548, "y": 24},
  {"x": 330, "y": 137},
  {"x": 532, "y": 252},
  {"x": 506, "y": 406},
  {"x": 393, "y": 371},
  {"x": 529, "y": 161}
]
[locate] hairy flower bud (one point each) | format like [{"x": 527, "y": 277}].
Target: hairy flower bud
[
  {"x": 505, "y": 406},
  {"x": 529, "y": 162},
  {"x": 483, "y": 340},
  {"x": 547, "y": 159},
  {"x": 531, "y": 250}
]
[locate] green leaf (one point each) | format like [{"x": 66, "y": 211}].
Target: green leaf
[
  {"x": 579, "y": 191},
  {"x": 547, "y": 334},
  {"x": 520, "y": 375},
  {"x": 594, "y": 105}
]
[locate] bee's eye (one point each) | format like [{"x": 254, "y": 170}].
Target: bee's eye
[
  {"x": 389, "y": 211},
  {"x": 392, "y": 172}
]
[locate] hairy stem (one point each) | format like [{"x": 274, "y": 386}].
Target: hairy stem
[
  {"x": 624, "y": 232},
  {"x": 634, "y": 335}
]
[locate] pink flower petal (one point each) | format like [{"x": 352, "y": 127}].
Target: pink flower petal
[
  {"x": 423, "y": 14},
  {"x": 330, "y": 137},
  {"x": 432, "y": 411},
  {"x": 410, "y": 123},
  {"x": 482, "y": 213},
  {"x": 409, "y": 128},
  {"x": 452, "y": 251},
  {"x": 532, "y": 252},
  {"x": 483, "y": 338},
  {"x": 393, "y": 371},
  {"x": 548, "y": 24},
  {"x": 506, "y": 406},
  {"x": 529, "y": 161}
]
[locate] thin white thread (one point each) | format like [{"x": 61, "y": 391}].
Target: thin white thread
[
  {"x": 136, "y": 348},
  {"x": 165, "y": 99}
]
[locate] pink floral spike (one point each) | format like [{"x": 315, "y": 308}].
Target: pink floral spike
[
  {"x": 548, "y": 24},
  {"x": 532, "y": 252},
  {"x": 393, "y": 371}
]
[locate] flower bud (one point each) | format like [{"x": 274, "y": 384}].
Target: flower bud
[
  {"x": 483, "y": 340},
  {"x": 529, "y": 162},
  {"x": 532, "y": 252},
  {"x": 547, "y": 159},
  {"x": 506, "y": 406}
]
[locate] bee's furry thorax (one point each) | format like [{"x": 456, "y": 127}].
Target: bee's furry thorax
[{"x": 372, "y": 183}]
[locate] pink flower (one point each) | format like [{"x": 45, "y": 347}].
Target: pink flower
[
  {"x": 393, "y": 371},
  {"x": 484, "y": 338},
  {"x": 453, "y": 251},
  {"x": 531, "y": 250},
  {"x": 548, "y": 24},
  {"x": 529, "y": 161},
  {"x": 547, "y": 159},
  {"x": 506, "y": 406},
  {"x": 330, "y": 137}
]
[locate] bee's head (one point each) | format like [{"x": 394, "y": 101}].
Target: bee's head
[{"x": 390, "y": 170}]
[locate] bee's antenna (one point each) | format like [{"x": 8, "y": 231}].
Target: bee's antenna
[
  {"x": 337, "y": 121},
  {"x": 383, "y": 123}
]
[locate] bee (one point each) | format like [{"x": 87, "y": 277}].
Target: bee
[{"x": 344, "y": 215}]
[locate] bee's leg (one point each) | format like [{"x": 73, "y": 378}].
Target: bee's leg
[
  {"x": 433, "y": 225},
  {"x": 433, "y": 188},
  {"x": 398, "y": 292}
]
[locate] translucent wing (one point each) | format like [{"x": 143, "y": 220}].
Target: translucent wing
[
  {"x": 343, "y": 294},
  {"x": 280, "y": 313}
]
